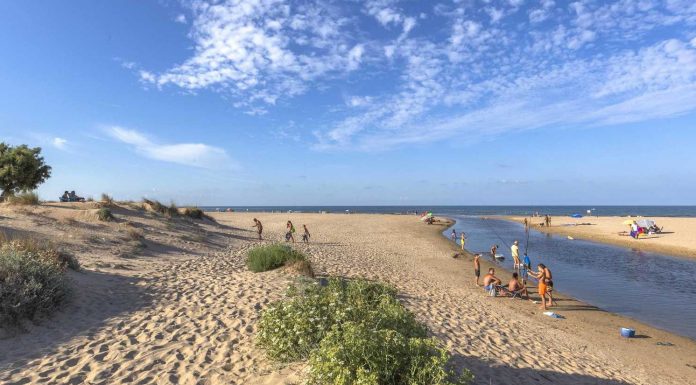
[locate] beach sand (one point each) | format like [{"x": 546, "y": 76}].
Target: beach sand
[
  {"x": 184, "y": 309},
  {"x": 678, "y": 237}
]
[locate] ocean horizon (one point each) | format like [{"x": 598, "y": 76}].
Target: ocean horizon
[{"x": 554, "y": 210}]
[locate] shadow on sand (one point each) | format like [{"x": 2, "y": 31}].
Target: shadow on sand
[
  {"x": 493, "y": 373},
  {"x": 97, "y": 298}
]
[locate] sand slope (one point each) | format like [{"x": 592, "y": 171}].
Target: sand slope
[{"x": 191, "y": 320}]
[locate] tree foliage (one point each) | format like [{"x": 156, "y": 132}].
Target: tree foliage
[{"x": 21, "y": 168}]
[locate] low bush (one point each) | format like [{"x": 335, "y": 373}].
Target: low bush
[
  {"x": 32, "y": 279},
  {"x": 107, "y": 200},
  {"x": 354, "y": 332},
  {"x": 156, "y": 206},
  {"x": 24, "y": 198},
  {"x": 194, "y": 213},
  {"x": 264, "y": 258},
  {"x": 104, "y": 214}
]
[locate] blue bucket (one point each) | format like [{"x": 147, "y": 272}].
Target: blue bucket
[{"x": 628, "y": 333}]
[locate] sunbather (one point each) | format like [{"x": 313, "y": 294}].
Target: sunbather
[
  {"x": 514, "y": 287},
  {"x": 490, "y": 281}
]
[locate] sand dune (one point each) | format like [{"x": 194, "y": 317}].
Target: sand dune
[{"x": 191, "y": 319}]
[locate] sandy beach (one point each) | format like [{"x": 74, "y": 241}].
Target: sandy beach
[
  {"x": 678, "y": 236},
  {"x": 183, "y": 309}
]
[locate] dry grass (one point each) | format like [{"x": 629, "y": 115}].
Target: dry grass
[
  {"x": 107, "y": 200},
  {"x": 24, "y": 199}
]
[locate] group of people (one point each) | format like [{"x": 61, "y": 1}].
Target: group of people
[
  {"x": 71, "y": 197},
  {"x": 521, "y": 270},
  {"x": 289, "y": 234},
  {"x": 462, "y": 237}
]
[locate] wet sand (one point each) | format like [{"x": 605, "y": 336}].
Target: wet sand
[{"x": 185, "y": 312}]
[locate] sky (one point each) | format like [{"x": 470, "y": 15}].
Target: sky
[{"x": 374, "y": 102}]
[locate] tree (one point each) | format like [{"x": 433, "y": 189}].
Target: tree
[{"x": 21, "y": 169}]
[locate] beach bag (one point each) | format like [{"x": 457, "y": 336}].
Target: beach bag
[{"x": 492, "y": 292}]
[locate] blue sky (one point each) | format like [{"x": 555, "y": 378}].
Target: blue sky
[{"x": 273, "y": 102}]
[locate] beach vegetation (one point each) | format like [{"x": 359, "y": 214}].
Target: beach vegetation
[
  {"x": 32, "y": 279},
  {"x": 107, "y": 200},
  {"x": 269, "y": 257},
  {"x": 21, "y": 169},
  {"x": 194, "y": 213},
  {"x": 354, "y": 332},
  {"x": 104, "y": 214},
  {"x": 25, "y": 198}
]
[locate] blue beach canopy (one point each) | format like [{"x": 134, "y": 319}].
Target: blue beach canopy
[{"x": 576, "y": 216}]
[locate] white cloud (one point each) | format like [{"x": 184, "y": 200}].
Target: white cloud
[
  {"x": 59, "y": 143},
  {"x": 181, "y": 19},
  {"x": 258, "y": 51},
  {"x": 190, "y": 154}
]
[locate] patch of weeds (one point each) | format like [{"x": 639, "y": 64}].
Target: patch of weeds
[
  {"x": 264, "y": 258},
  {"x": 104, "y": 214}
]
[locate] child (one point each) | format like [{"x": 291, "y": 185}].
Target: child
[
  {"x": 477, "y": 268},
  {"x": 526, "y": 266},
  {"x": 462, "y": 241}
]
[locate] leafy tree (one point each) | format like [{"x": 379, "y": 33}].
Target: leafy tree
[{"x": 21, "y": 169}]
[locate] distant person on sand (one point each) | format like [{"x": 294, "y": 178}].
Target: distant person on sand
[
  {"x": 490, "y": 281},
  {"x": 477, "y": 268},
  {"x": 515, "y": 251},
  {"x": 462, "y": 241},
  {"x": 515, "y": 285},
  {"x": 543, "y": 274},
  {"x": 291, "y": 231},
  {"x": 494, "y": 249},
  {"x": 306, "y": 235},
  {"x": 259, "y": 227}
]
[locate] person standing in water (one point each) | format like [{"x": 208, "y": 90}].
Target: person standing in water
[
  {"x": 291, "y": 231},
  {"x": 306, "y": 235},
  {"x": 462, "y": 241},
  {"x": 515, "y": 251},
  {"x": 259, "y": 227},
  {"x": 494, "y": 249},
  {"x": 453, "y": 235},
  {"x": 477, "y": 268}
]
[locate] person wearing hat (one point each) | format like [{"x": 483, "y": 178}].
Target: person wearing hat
[{"x": 515, "y": 251}]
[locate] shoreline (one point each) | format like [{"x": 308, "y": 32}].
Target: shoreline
[
  {"x": 485, "y": 264},
  {"x": 605, "y": 230}
]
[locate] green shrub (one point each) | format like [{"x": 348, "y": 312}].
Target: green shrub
[
  {"x": 24, "y": 198},
  {"x": 32, "y": 280},
  {"x": 156, "y": 206},
  {"x": 264, "y": 258},
  {"x": 354, "y": 332},
  {"x": 104, "y": 214}
]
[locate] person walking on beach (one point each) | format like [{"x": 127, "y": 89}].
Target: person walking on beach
[
  {"x": 291, "y": 231},
  {"x": 477, "y": 268},
  {"x": 462, "y": 241},
  {"x": 259, "y": 227},
  {"x": 515, "y": 251},
  {"x": 306, "y": 235}
]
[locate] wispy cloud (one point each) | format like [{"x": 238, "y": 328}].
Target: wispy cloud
[
  {"x": 190, "y": 154},
  {"x": 60, "y": 143},
  {"x": 490, "y": 67}
]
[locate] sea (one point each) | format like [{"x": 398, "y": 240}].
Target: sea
[{"x": 645, "y": 211}]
